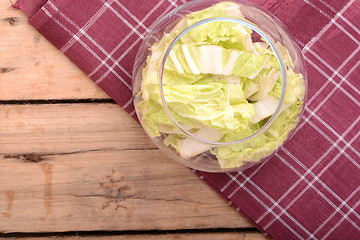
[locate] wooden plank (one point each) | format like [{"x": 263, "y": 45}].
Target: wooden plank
[
  {"x": 81, "y": 167},
  {"x": 67, "y": 128},
  {"x": 180, "y": 236},
  {"x": 32, "y": 68}
]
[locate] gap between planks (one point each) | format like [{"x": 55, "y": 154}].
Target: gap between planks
[{"x": 199, "y": 234}]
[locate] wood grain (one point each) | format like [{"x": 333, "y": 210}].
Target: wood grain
[
  {"x": 68, "y": 128},
  {"x": 80, "y": 167},
  {"x": 32, "y": 68},
  {"x": 192, "y": 236}
]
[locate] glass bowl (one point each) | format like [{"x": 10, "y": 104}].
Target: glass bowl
[{"x": 199, "y": 141}]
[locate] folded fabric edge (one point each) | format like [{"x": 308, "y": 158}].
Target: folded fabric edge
[
  {"x": 204, "y": 178},
  {"x": 18, "y": 6},
  {"x": 14, "y": 5},
  {"x": 28, "y": 7}
]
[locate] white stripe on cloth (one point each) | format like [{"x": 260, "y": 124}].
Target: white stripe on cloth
[
  {"x": 125, "y": 21},
  {"x": 337, "y": 86},
  {"x": 336, "y": 72},
  {"x": 343, "y": 202},
  {"x": 341, "y": 16},
  {"x": 90, "y": 38},
  {"x": 89, "y": 23},
  {"x": 173, "y": 3},
  {"x": 316, "y": 38},
  {"x": 323, "y": 196},
  {"x": 327, "y": 96},
  {"x": 318, "y": 176},
  {"x": 331, "y": 78},
  {"x": 245, "y": 181},
  {"x": 126, "y": 38},
  {"x": 128, "y": 103},
  {"x": 336, "y": 23},
  {"x": 275, "y": 203},
  {"x": 341, "y": 151},
  {"x": 127, "y": 50},
  {"x": 342, "y": 219},
  {"x": 132, "y": 113},
  {"x": 231, "y": 180},
  {"x": 84, "y": 45},
  {"x": 318, "y": 161},
  {"x": 271, "y": 210},
  {"x": 317, "y": 179},
  {"x": 338, "y": 140},
  {"x": 132, "y": 16},
  {"x": 338, "y": 136},
  {"x": 336, "y": 211},
  {"x": 110, "y": 69}
]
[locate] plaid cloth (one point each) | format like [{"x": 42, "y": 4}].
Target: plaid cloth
[{"x": 310, "y": 188}]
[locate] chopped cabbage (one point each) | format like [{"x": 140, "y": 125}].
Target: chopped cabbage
[{"x": 220, "y": 86}]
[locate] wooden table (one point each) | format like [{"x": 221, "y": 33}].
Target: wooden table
[{"x": 71, "y": 160}]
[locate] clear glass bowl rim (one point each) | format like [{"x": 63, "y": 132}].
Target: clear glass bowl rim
[{"x": 143, "y": 51}]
